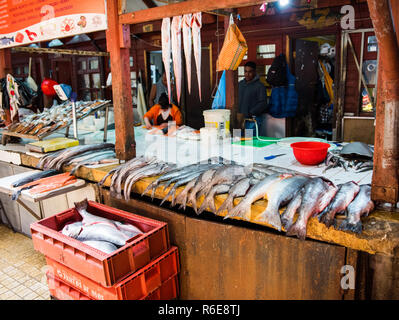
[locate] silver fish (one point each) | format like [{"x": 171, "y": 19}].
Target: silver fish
[
  {"x": 103, "y": 246},
  {"x": 89, "y": 156},
  {"x": 346, "y": 193},
  {"x": 34, "y": 176},
  {"x": 312, "y": 195},
  {"x": 287, "y": 217},
  {"x": 258, "y": 191},
  {"x": 209, "y": 201},
  {"x": 182, "y": 181},
  {"x": 101, "y": 158},
  {"x": 238, "y": 190},
  {"x": 279, "y": 194},
  {"x": 361, "y": 205},
  {"x": 183, "y": 196},
  {"x": 203, "y": 180}
]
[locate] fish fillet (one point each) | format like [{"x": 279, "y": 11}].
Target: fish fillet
[
  {"x": 196, "y": 32},
  {"x": 166, "y": 51},
  {"x": 187, "y": 44},
  {"x": 176, "y": 53}
]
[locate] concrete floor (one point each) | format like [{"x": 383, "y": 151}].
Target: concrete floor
[{"x": 22, "y": 269}]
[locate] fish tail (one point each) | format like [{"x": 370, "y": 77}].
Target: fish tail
[
  {"x": 226, "y": 204},
  {"x": 167, "y": 196},
  {"x": 241, "y": 210},
  {"x": 151, "y": 185},
  {"x": 205, "y": 204},
  {"x": 82, "y": 205},
  {"x": 349, "y": 226},
  {"x": 272, "y": 217},
  {"x": 327, "y": 219},
  {"x": 298, "y": 230}
]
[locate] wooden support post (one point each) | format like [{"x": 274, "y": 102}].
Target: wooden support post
[
  {"x": 231, "y": 89},
  {"x": 5, "y": 62},
  {"x": 118, "y": 45},
  {"x": 385, "y": 184}
]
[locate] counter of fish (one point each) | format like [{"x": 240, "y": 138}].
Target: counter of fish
[
  {"x": 55, "y": 118},
  {"x": 78, "y": 156},
  {"x": 306, "y": 195},
  {"x": 101, "y": 233}
]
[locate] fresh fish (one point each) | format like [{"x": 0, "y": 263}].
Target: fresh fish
[
  {"x": 287, "y": 218},
  {"x": 112, "y": 171},
  {"x": 346, "y": 193},
  {"x": 258, "y": 191},
  {"x": 6, "y": 41},
  {"x": 33, "y": 177},
  {"x": 204, "y": 179},
  {"x": 238, "y": 190},
  {"x": 196, "y": 32},
  {"x": 312, "y": 195},
  {"x": 176, "y": 29},
  {"x": 361, "y": 205},
  {"x": 166, "y": 51},
  {"x": 150, "y": 172},
  {"x": 187, "y": 45},
  {"x": 279, "y": 194},
  {"x": 185, "y": 174},
  {"x": 182, "y": 196},
  {"x": 181, "y": 182},
  {"x": 261, "y": 174},
  {"x": 99, "y": 159},
  {"x": 103, "y": 246},
  {"x": 227, "y": 175},
  {"x": 209, "y": 201},
  {"x": 89, "y": 156}
]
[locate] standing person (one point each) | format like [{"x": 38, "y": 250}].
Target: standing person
[
  {"x": 157, "y": 89},
  {"x": 252, "y": 98},
  {"x": 163, "y": 112}
]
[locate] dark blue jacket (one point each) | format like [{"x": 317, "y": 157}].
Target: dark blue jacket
[{"x": 251, "y": 97}]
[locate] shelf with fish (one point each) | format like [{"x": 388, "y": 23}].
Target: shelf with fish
[{"x": 380, "y": 232}]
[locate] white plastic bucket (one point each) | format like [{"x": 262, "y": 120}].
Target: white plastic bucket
[{"x": 219, "y": 119}]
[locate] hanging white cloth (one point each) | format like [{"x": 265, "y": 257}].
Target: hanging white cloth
[{"x": 13, "y": 93}]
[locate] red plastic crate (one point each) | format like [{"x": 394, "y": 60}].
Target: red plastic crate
[
  {"x": 137, "y": 286},
  {"x": 169, "y": 290},
  {"x": 62, "y": 291},
  {"x": 106, "y": 269}
]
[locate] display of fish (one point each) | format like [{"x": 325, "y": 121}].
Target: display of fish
[
  {"x": 176, "y": 31},
  {"x": 166, "y": 51},
  {"x": 103, "y": 246},
  {"x": 33, "y": 177},
  {"x": 346, "y": 193},
  {"x": 312, "y": 196},
  {"x": 196, "y": 33},
  {"x": 287, "y": 218},
  {"x": 257, "y": 192},
  {"x": 182, "y": 196},
  {"x": 209, "y": 201},
  {"x": 280, "y": 194},
  {"x": 361, "y": 205},
  {"x": 238, "y": 190},
  {"x": 99, "y": 159},
  {"x": 187, "y": 45}
]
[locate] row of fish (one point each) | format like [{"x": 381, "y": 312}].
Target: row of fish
[
  {"x": 55, "y": 118},
  {"x": 305, "y": 195},
  {"x": 98, "y": 232},
  {"x": 79, "y": 156},
  {"x": 187, "y": 27}
]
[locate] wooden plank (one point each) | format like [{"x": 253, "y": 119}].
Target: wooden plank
[
  {"x": 5, "y": 62},
  {"x": 60, "y": 51},
  {"x": 183, "y": 8},
  {"x": 125, "y": 146}
]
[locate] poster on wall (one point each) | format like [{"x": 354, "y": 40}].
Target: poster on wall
[{"x": 24, "y": 22}]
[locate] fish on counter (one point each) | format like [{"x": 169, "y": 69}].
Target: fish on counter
[
  {"x": 360, "y": 206},
  {"x": 345, "y": 195},
  {"x": 238, "y": 190},
  {"x": 33, "y": 177},
  {"x": 209, "y": 201}
]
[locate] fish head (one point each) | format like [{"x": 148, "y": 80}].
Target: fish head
[{"x": 73, "y": 229}]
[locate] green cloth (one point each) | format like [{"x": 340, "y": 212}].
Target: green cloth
[{"x": 256, "y": 143}]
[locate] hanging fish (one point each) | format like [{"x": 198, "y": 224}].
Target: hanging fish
[
  {"x": 13, "y": 93},
  {"x": 187, "y": 44},
  {"x": 196, "y": 31},
  {"x": 166, "y": 51},
  {"x": 176, "y": 53}
]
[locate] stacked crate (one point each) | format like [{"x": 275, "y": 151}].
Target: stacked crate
[{"x": 147, "y": 267}]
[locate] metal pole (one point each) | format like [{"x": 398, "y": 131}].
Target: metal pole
[{"x": 75, "y": 126}]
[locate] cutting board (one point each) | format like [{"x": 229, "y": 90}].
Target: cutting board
[
  {"x": 256, "y": 143},
  {"x": 51, "y": 145}
]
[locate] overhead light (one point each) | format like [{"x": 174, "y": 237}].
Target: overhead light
[
  {"x": 55, "y": 43},
  {"x": 283, "y": 3}
]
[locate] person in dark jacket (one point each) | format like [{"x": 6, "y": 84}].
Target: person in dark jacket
[{"x": 252, "y": 98}]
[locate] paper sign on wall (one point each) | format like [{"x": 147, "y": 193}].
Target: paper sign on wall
[{"x": 27, "y": 21}]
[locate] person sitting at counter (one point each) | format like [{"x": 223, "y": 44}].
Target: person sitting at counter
[{"x": 161, "y": 113}]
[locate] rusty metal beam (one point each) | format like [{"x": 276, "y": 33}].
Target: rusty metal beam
[
  {"x": 385, "y": 184},
  {"x": 184, "y": 7},
  {"x": 118, "y": 45}
]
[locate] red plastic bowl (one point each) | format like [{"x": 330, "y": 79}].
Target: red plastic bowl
[{"x": 310, "y": 153}]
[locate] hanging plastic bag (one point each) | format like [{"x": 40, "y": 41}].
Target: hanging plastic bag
[
  {"x": 234, "y": 49},
  {"x": 219, "y": 102}
]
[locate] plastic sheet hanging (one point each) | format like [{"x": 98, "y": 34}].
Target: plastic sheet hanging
[{"x": 219, "y": 102}]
